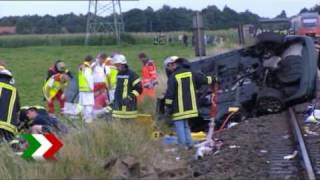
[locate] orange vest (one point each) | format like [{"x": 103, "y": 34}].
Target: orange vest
[{"x": 149, "y": 72}]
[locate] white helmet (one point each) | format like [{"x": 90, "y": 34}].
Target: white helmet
[
  {"x": 5, "y": 71},
  {"x": 119, "y": 59},
  {"x": 170, "y": 59}
]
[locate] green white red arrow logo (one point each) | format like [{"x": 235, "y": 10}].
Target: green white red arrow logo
[{"x": 41, "y": 146}]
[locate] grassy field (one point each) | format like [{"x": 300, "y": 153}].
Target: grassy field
[
  {"x": 13, "y": 41},
  {"x": 86, "y": 149},
  {"x": 30, "y": 64}
]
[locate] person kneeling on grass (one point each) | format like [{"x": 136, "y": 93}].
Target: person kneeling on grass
[{"x": 36, "y": 120}]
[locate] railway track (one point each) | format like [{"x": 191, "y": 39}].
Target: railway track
[{"x": 290, "y": 139}]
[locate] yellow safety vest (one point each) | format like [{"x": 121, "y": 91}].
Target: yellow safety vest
[
  {"x": 111, "y": 79},
  {"x": 83, "y": 83},
  {"x": 50, "y": 92}
]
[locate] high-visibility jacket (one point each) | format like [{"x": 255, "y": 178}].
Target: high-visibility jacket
[
  {"x": 84, "y": 85},
  {"x": 180, "y": 98},
  {"x": 127, "y": 89},
  {"x": 111, "y": 78},
  {"x": 149, "y": 73},
  {"x": 9, "y": 105},
  {"x": 52, "y": 86}
]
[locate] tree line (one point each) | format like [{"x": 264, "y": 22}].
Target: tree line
[{"x": 137, "y": 20}]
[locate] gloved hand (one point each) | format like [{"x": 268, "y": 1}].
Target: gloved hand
[
  {"x": 167, "y": 111},
  {"x": 63, "y": 96},
  {"x": 154, "y": 83},
  {"x": 167, "y": 115},
  {"x": 148, "y": 86},
  {"x": 127, "y": 100}
]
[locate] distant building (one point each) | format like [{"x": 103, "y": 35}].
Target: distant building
[{"x": 7, "y": 30}]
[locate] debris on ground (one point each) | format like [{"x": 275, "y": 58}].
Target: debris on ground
[
  {"x": 234, "y": 146},
  {"x": 208, "y": 147},
  {"x": 291, "y": 156},
  {"x": 129, "y": 167},
  {"x": 244, "y": 154},
  {"x": 309, "y": 132}
]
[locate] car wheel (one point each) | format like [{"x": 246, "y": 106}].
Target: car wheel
[{"x": 269, "y": 100}]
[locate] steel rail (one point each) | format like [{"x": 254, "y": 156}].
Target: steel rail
[{"x": 303, "y": 149}]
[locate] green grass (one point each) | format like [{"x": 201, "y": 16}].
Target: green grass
[
  {"x": 13, "y": 41},
  {"x": 30, "y": 64},
  {"x": 85, "y": 153},
  {"x": 85, "y": 149}
]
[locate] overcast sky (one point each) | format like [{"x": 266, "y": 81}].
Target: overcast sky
[{"x": 265, "y": 8}]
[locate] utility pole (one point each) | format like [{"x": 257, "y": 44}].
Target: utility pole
[
  {"x": 98, "y": 23},
  {"x": 198, "y": 35}
]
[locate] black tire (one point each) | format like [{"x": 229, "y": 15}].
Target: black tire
[
  {"x": 270, "y": 37},
  {"x": 269, "y": 101}
]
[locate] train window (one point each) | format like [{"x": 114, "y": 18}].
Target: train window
[{"x": 309, "y": 22}]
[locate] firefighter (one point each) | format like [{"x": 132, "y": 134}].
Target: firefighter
[
  {"x": 9, "y": 105},
  {"x": 86, "y": 87},
  {"x": 149, "y": 77},
  {"x": 53, "y": 90},
  {"x": 36, "y": 119},
  {"x": 128, "y": 88},
  {"x": 180, "y": 96}
]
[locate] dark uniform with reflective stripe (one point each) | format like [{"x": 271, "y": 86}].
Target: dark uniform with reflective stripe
[
  {"x": 9, "y": 107},
  {"x": 180, "y": 97},
  {"x": 125, "y": 98},
  {"x": 25, "y": 122}
]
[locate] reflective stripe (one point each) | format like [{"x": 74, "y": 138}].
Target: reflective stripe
[
  {"x": 125, "y": 88},
  {"x": 6, "y": 86},
  {"x": 185, "y": 116},
  {"x": 136, "y": 93},
  {"x": 136, "y": 82},
  {"x": 8, "y": 127},
  {"x": 193, "y": 96},
  {"x": 12, "y": 99},
  {"x": 168, "y": 101},
  {"x": 209, "y": 79},
  {"x": 180, "y": 91},
  {"x": 181, "y": 112},
  {"x": 124, "y": 114},
  {"x": 125, "y": 93},
  {"x": 11, "y": 105},
  {"x": 0, "y": 91},
  {"x": 180, "y": 99},
  {"x": 184, "y": 113}
]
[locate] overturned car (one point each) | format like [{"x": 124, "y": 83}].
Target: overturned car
[{"x": 275, "y": 73}]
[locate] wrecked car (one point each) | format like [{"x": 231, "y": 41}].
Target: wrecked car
[{"x": 275, "y": 73}]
